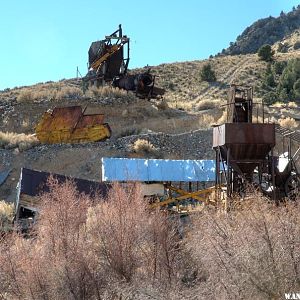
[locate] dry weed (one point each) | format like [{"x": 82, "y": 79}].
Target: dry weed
[
  {"x": 68, "y": 92},
  {"x": 108, "y": 91},
  {"x": 206, "y": 120},
  {"x": 250, "y": 253},
  {"x": 208, "y": 104},
  {"x": 25, "y": 96},
  {"x": 223, "y": 118},
  {"x": 278, "y": 105},
  {"x": 7, "y": 211},
  {"x": 292, "y": 105},
  {"x": 145, "y": 148},
  {"x": 288, "y": 122},
  {"x": 49, "y": 92},
  {"x": 85, "y": 248},
  {"x": 10, "y": 140},
  {"x": 162, "y": 104}
]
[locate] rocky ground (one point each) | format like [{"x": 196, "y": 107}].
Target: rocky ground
[{"x": 174, "y": 134}]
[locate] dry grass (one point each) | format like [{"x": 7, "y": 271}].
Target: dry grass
[
  {"x": 206, "y": 121},
  {"x": 11, "y": 140},
  {"x": 145, "y": 148},
  {"x": 49, "y": 92},
  {"x": 162, "y": 104},
  {"x": 208, "y": 104},
  {"x": 287, "y": 122},
  {"x": 292, "y": 105},
  {"x": 7, "y": 211},
  {"x": 278, "y": 105},
  {"x": 108, "y": 91},
  {"x": 223, "y": 118}
]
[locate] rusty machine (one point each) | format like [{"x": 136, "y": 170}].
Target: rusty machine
[
  {"x": 71, "y": 125},
  {"x": 246, "y": 149},
  {"x": 108, "y": 64}
]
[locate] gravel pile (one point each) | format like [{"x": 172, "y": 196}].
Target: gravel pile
[{"x": 189, "y": 145}]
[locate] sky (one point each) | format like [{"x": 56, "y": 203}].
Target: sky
[{"x": 47, "y": 40}]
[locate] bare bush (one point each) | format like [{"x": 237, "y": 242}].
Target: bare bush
[
  {"x": 54, "y": 91},
  {"x": 25, "y": 96},
  {"x": 223, "y": 118},
  {"x": 10, "y": 140},
  {"x": 206, "y": 120},
  {"x": 288, "y": 122},
  {"x": 292, "y": 105},
  {"x": 108, "y": 91},
  {"x": 251, "y": 253},
  {"x": 68, "y": 92},
  {"x": 208, "y": 104},
  {"x": 6, "y": 216},
  {"x": 162, "y": 104},
  {"x": 80, "y": 246},
  {"x": 145, "y": 148}
]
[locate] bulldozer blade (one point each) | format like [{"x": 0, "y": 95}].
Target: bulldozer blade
[{"x": 71, "y": 125}]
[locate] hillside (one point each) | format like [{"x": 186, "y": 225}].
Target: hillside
[
  {"x": 178, "y": 128},
  {"x": 265, "y": 31}
]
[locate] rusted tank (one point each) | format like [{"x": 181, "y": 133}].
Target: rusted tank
[
  {"x": 142, "y": 84},
  {"x": 245, "y": 145},
  {"x": 71, "y": 125}
]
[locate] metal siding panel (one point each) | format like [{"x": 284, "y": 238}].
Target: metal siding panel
[{"x": 123, "y": 169}]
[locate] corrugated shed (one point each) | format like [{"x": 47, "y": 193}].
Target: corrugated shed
[
  {"x": 132, "y": 169},
  {"x": 34, "y": 183}
]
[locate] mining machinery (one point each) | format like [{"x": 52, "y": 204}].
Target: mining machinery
[
  {"x": 108, "y": 64},
  {"x": 246, "y": 151}
]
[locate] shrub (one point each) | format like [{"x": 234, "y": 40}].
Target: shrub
[
  {"x": 208, "y": 104},
  {"x": 25, "y": 96},
  {"x": 292, "y": 105},
  {"x": 162, "y": 104},
  {"x": 297, "y": 45},
  {"x": 279, "y": 66},
  {"x": 85, "y": 248},
  {"x": 270, "y": 98},
  {"x": 10, "y": 140},
  {"x": 288, "y": 122},
  {"x": 145, "y": 148},
  {"x": 296, "y": 89},
  {"x": 249, "y": 253},
  {"x": 282, "y": 47},
  {"x": 6, "y": 216},
  {"x": 108, "y": 91},
  {"x": 68, "y": 92},
  {"x": 128, "y": 131},
  {"x": 265, "y": 53},
  {"x": 207, "y": 73}
]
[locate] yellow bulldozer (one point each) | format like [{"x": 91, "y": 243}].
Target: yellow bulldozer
[{"x": 71, "y": 125}]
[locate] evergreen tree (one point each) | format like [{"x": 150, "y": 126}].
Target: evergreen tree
[
  {"x": 265, "y": 53},
  {"x": 207, "y": 73}
]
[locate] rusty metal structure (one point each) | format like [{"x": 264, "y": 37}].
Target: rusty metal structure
[
  {"x": 142, "y": 84},
  {"x": 108, "y": 64},
  {"x": 71, "y": 125},
  {"x": 106, "y": 58},
  {"x": 247, "y": 151}
]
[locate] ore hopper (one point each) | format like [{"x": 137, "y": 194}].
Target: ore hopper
[
  {"x": 247, "y": 150},
  {"x": 71, "y": 125}
]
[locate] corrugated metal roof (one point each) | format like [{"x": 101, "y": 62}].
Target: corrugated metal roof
[
  {"x": 132, "y": 169},
  {"x": 34, "y": 182}
]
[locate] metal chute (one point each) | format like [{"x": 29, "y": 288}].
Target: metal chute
[{"x": 71, "y": 125}]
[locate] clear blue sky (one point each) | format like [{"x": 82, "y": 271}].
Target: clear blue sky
[{"x": 45, "y": 40}]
